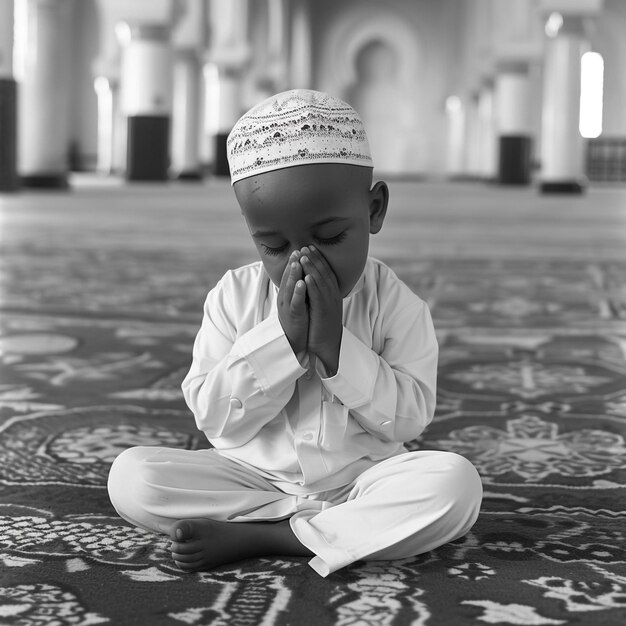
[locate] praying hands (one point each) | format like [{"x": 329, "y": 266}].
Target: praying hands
[
  {"x": 310, "y": 307},
  {"x": 325, "y": 308}
]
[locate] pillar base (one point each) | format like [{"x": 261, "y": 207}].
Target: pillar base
[
  {"x": 148, "y": 148},
  {"x": 515, "y": 159},
  {"x": 45, "y": 181},
  {"x": 563, "y": 186},
  {"x": 221, "y": 158},
  {"x": 190, "y": 175},
  {"x": 9, "y": 180}
]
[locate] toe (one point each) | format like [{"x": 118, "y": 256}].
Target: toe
[
  {"x": 186, "y": 547},
  {"x": 181, "y": 531},
  {"x": 191, "y": 566},
  {"x": 187, "y": 558}
]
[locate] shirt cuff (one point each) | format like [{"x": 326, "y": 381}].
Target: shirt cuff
[
  {"x": 353, "y": 384},
  {"x": 267, "y": 350}
]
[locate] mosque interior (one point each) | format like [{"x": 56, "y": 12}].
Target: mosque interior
[
  {"x": 518, "y": 92},
  {"x": 499, "y": 126}
]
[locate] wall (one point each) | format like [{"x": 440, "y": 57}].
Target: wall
[
  {"x": 422, "y": 82},
  {"x": 444, "y": 47}
]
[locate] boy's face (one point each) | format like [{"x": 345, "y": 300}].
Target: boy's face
[{"x": 328, "y": 205}]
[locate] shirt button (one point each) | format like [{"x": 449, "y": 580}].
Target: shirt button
[
  {"x": 236, "y": 403},
  {"x": 307, "y": 436},
  {"x": 385, "y": 423}
]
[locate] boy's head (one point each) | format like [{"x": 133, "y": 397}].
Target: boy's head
[{"x": 302, "y": 174}]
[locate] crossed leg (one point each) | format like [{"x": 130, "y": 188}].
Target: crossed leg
[{"x": 217, "y": 511}]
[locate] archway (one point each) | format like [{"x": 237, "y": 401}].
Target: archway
[{"x": 371, "y": 58}]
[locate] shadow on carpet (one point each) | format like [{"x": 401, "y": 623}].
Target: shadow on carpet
[{"x": 531, "y": 389}]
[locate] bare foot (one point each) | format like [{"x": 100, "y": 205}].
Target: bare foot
[{"x": 201, "y": 544}]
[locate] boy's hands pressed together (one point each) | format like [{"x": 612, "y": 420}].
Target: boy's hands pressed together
[
  {"x": 325, "y": 308},
  {"x": 292, "y": 309}
]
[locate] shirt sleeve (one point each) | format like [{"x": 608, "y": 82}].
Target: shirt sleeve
[
  {"x": 239, "y": 379},
  {"x": 392, "y": 394}
]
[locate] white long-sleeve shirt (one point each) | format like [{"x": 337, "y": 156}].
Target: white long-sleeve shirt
[{"x": 261, "y": 406}]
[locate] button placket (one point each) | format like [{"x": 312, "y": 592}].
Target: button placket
[{"x": 307, "y": 429}]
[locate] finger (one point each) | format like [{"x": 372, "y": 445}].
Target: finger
[
  {"x": 322, "y": 265},
  {"x": 294, "y": 272},
  {"x": 312, "y": 268},
  {"x": 297, "y": 267},
  {"x": 298, "y": 300},
  {"x": 286, "y": 271},
  {"x": 312, "y": 289}
]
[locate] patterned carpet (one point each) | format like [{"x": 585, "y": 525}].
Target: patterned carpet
[{"x": 532, "y": 388}]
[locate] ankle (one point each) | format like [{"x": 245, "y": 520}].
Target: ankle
[{"x": 274, "y": 539}]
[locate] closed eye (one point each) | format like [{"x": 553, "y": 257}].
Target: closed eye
[
  {"x": 332, "y": 240},
  {"x": 274, "y": 251}
]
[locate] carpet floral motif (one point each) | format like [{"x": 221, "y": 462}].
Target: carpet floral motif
[
  {"x": 529, "y": 380},
  {"x": 43, "y": 604},
  {"x": 532, "y": 388},
  {"x": 533, "y": 449}
]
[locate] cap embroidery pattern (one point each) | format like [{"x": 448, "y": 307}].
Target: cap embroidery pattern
[{"x": 296, "y": 127}]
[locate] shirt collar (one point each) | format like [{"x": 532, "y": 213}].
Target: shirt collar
[{"x": 358, "y": 286}]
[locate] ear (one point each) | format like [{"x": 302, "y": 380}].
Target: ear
[{"x": 379, "y": 199}]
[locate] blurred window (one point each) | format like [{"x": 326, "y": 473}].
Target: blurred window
[{"x": 591, "y": 92}]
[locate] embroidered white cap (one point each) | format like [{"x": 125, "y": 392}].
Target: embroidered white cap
[{"x": 296, "y": 127}]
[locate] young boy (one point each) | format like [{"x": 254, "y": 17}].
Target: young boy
[{"x": 310, "y": 371}]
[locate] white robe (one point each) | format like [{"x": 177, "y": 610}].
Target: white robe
[{"x": 323, "y": 451}]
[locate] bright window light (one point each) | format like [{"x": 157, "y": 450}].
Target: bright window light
[
  {"x": 20, "y": 40},
  {"x": 453, "y": 104},
  {"x": 554, "y": 24},
  {"x": 591, "y": 91}
]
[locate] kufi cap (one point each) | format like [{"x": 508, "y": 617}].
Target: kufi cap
[{"x": 296, "y": 127}]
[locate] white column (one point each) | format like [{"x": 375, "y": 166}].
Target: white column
[
  {"x": 229, "y": 102},
  {"x": 43, "y": 102},
  {"x": 111, "y": 134},
  {"x": 227, "y": 60},
  {"x": 455, "y": 140},
  {"x": 120, "y": 131},
  {"x": 513, "y": 115},
  {"x": 487, "y": 135},
  {"x": 562, "y": 146},
  {"x": 189, "y": 39},
  {"x": 6, "y": 39},
  {"x": 104, "y": 95},
  {"x": 8, "y": 101},
  {"x": 300, "y": 70},
  {"x": 186, "y": 115},
  {"x": 210, "y": 104},
  {"x": 276, "y": 43},
  {"x": 513, "y": 100},
  {"x": 472, "y": 137},
  {"x": 146, "y": 71},
  {"x": 146, "y": 100}
]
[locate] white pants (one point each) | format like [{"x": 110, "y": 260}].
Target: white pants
[{"x": 401, "y": 507}]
